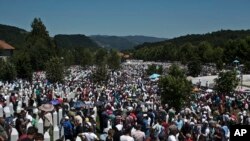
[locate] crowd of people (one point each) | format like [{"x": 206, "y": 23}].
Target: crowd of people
[{"x": 127, "y": 107}]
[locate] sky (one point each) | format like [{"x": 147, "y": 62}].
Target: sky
[{"x": 158, "y": 18}]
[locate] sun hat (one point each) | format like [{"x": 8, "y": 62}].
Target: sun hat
[{"x": 46, "y": 107}]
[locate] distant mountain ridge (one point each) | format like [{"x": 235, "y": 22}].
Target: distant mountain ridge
[
  {"x": 16, "y": 37},
  {"x": 123, "y": 42}
]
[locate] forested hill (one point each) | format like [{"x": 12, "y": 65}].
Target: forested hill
[
  {"x": 77, "y": 40},
  {"x": 217, "y": 38},
  {"x": 16, "y": 37},
  {"x": 13, "y": 35},
  {"x": 123, "y": 42},
  {"x": 217, "y": 47}
]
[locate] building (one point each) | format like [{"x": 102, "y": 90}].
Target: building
[{"x": 6, "y": 50}]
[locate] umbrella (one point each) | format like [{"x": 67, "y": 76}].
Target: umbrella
[
  {"x": 78, "y": 104},
  {"x": 55, "y": 102},
  {"x": 154, "y": 76},
  {"x": 236, "y": 61},
  {"x": 99, "y": 103},
  {"x": 46, "y": 107}
]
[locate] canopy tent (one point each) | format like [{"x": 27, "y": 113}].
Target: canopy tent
[{"x": 209, "y": 90}]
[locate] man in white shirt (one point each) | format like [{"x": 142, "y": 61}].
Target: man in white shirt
[{"x": 48, "y": 120}]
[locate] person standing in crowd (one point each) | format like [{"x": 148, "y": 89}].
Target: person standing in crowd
[
  {"x": 145, "y": 125},
  {"x": 14, "y": 101},
  {"x": 39, "y": 137},
  {"x": 179, "y": 122},
  {"x": 188, "y": 137},
  {"x": 127, "y": 135},
  {"x": 110, "y": 135},
  {"x": 21, "y": 123},
  {"x": 90, "y": 135},
  {"x": 173, "y": 130},
  {"x": 31, "y": 133},
  {"x": 117, "y": 134},
  {"x": 218, "y": 133},
  {"x": 138, "y": 135},
  {"x": 78, "y": 126},
  {"x": 3, "y": 132},
  {"x": 157, "y": 130},
  {"x": 48, "y": 120},
  {"x": 68, "y": 129}
]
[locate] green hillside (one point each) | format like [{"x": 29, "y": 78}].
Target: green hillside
[
  {"x": 216, "y": 47},
  {"x": 74, "y": 41},
  {"x": 217, "y": 38},
  {"x": 13, "y": 35},
  {"x": 16, "y": 37}
]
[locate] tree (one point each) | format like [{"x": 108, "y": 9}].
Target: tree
[
  {"x": 40, "y": 45},
  {"x": 22, "y": 64},
  {"x": 113, "y": 60},
  {"x": 226, "y": 82},
  {"x": 100, "y": 56},
  {"x": 7, "y": 71},
  {"x": 194, "y": 68},
  {"x": 101, "y": 74},
  {"x": 67, "y": 56},
  {"x": 218, "y": 58},
  {"x": 86, "y": 58},
  {"x": 187, "y": 52},
  {"x": 176, "y": 71},
  {"x": 175, "y": 88},
  {"x": 247, "y": 67},
  {"x": 55, "y": 70},
  {"x": 206, "y": 52},
  {"x": 38, "y": 31}
]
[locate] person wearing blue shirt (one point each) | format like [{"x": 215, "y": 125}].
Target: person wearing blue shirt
[
  {"x": 145, "y": 125},
  {"x": 68, "y": 129},
  {"x": 179, "y": 123}
]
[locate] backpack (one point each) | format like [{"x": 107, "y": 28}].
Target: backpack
[{"x": 162, "y": 134}]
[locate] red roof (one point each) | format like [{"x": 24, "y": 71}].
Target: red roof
[{"x": 4, "y": 45}]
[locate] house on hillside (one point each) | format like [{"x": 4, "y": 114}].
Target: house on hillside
[{"x": 6, "y": 50}]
